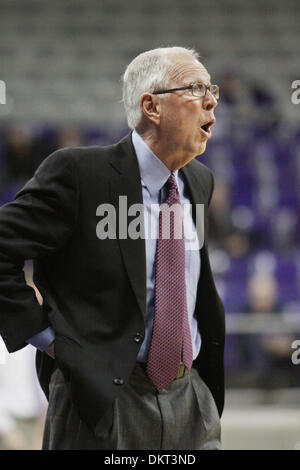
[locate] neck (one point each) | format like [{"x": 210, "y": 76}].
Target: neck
[{"x": 172, "y": 157}]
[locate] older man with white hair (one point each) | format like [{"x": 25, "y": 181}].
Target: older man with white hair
[{"x": 130, "y": 335}]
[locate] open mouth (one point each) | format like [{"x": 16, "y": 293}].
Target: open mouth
[{"x": 206, "y": 128}]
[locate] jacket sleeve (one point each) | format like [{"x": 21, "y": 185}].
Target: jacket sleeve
[{"x": 37, "y": 223}]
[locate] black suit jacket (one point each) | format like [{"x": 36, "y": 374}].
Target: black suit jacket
[{"x": 94, "y": 291}]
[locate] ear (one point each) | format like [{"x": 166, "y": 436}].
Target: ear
[{"x": 151, "y": 108}]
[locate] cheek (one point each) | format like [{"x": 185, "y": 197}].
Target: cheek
[
  {"x": 193, "y": 115},
  {"x": 171, "y": 121}
]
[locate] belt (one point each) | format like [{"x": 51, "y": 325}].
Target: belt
[{"x": 181, "y": 371}]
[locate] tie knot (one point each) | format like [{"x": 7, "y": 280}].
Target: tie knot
[
  {"x": 171, "y": 184},
  {"x": 172, "y": 193}
]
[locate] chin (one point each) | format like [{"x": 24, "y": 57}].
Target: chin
[{"x": 201, "y": 148}]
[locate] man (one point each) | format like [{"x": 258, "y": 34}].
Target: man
[{"x": 135, "y": 324}]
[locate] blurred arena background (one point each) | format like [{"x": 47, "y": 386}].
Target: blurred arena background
[{"x": 61, "y": 62}]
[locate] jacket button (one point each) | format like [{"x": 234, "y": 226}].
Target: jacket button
[
  {"x": 138, "y": 337},
  {"x": 118, "y": 381}
]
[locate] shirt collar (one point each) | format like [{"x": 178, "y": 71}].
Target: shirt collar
[{"x": 154, "y": 172}]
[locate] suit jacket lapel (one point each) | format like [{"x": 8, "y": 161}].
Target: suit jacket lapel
[
  {"x": 125, "y": 180},
  {"x": 194, "y": 183},
  {"x": 198, "y": 197}
]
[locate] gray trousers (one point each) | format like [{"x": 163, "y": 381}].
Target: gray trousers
[{"x": 183, "y": 416}]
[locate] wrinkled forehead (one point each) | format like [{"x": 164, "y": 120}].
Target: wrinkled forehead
[{"x": 185, "y": 70}]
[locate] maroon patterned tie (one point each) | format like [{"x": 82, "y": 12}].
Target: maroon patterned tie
[{"x": 171, "y": 340}]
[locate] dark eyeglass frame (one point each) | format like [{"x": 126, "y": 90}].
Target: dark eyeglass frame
[{"x": 190, "y": 87}]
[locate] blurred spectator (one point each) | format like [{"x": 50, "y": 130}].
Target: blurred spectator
[
  {"x": 265, "y": 359},
  {"x": 49, "y": 139},
  {"x": 69, "y": 137},
  {"x": 265, "y": 105},
  {"x": 244, "y": 100},
  {"x": 19, "y": 154},
  {"x": 262, "y": 295},
  {"x": 222, "y": 231},
  {"x": 232, "y": 87}
]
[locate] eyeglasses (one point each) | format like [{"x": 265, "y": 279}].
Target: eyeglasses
[{"x": 198, "y": 89}]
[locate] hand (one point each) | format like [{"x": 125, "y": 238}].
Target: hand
[{"x": 50, "y": 350}]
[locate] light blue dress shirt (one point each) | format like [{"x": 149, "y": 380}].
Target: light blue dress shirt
[{"x": 154, "y": 175}]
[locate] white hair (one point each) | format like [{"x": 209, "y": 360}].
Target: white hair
[{"x": 148, "y": 72}]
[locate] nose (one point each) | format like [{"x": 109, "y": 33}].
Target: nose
[{"x": 209, "y": 102}]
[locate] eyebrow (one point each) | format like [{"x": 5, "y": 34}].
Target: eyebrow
[{"x": 197, "y": 82}]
